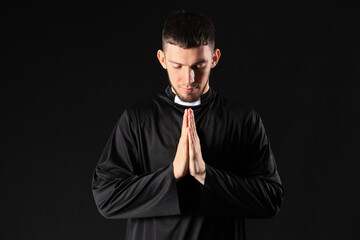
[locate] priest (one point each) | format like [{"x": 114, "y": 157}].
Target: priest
[{"x": 187, "y": 163}]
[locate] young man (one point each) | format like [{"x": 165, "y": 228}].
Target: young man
[{"x": 188, "y": 164}]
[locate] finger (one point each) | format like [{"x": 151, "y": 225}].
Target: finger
[
  {"x": 190, "y": 135},
  {"x": 192, "y": 121},
  {"x": 185, "y": 122},
  {"x": 189, "y": 126},
  {"x": 189, "y": 118},
  {"x": 196, "y": 139},
  {"x": 186, "y": 137},
  {"x": 192, "y": 132},
  {"x": 191, "y": 142},
  {"x": 191, "y": 153}
]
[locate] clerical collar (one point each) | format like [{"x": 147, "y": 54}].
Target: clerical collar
[
  {"x": 179, "y": 101},
  {"x": 204, "y": 99}
]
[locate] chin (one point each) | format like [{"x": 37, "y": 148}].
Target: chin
[{"x": 189, "y": 98}]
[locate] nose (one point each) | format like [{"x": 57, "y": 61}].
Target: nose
[{"x": 190, "y": 75}]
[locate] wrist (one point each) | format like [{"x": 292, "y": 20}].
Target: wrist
[
  {"x": 200, "y": 177},
  {"x": 177, "y": 174}
]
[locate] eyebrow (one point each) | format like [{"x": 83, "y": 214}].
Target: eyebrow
[{"x": 198, "y": 62}]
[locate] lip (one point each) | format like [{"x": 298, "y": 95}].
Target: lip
[{"x": 188, "y": 90}]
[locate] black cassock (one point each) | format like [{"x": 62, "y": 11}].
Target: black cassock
[{"x": 134, "y": 178}]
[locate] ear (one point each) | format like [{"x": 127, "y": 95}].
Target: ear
[
  {"x": 216, "y": 57},
  {"x": 161, "y": 58}
]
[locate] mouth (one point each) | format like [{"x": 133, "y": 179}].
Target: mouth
[{"x": 188, "y": 90}]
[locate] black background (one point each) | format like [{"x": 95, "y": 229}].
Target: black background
[{"x": 68, "y": 71}]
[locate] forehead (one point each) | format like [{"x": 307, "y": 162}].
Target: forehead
[{"x": 187, "y": 56}]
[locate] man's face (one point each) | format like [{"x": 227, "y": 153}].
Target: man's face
[{"x": 188, "y": 69}]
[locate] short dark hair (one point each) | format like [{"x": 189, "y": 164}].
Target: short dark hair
[{"x": 188, "y": 29}]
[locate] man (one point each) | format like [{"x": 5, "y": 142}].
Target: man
[{"x": 187, "y": 164}]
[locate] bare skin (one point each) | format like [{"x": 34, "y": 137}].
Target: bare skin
[
  {"x": 197, "y": 167},
  {"x": 189, "y": 71},
  {"x": 181, "y": 160},
  {"x": 188, "y": 156}
]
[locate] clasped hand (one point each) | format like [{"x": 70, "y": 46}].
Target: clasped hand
[{"x": 188, "y": 156}]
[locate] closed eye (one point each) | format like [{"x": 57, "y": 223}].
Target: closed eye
[
  {"x": 199, "y": 66},
  {"x": 176, "y": 66}
]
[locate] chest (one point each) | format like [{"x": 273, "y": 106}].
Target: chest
[{"x": 220, "y": 139}]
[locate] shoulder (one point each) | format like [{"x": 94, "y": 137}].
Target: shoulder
[
  {"x": 236, "y": 108},
  {"x": 144, "y": 109},
  {"x": 244, "y": 116}
]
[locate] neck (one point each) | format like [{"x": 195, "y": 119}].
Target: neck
[{"x": 179, "y": 101}]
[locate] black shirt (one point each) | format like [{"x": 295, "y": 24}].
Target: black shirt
[{"x": 134, "y": 178}]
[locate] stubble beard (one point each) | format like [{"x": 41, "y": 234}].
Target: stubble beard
[{"x": 190, "y": 97}]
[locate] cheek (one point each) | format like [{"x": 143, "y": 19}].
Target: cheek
[
  {"x": 202, "y": 76},
  {"x": 174, "y": 76}
]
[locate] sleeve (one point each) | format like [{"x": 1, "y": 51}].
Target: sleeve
[
  {"x": 253, "y": 191},
  {"x": 121, "y": 193}
]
